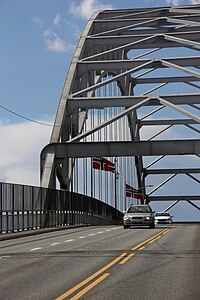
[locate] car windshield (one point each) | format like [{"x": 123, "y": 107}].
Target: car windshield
[
  {"x": 139, "y": 209},
  {"x": 162, "y": 214}
]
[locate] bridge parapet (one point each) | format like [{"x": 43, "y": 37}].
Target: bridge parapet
[{"x": 24, "y": 208}]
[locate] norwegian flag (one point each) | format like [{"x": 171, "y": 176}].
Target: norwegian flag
[
  {"x": 133, "y": 193},
  {"x": 103, "y": 164}
]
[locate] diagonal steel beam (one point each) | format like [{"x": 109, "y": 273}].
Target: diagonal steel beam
[
  {"x": 152, "y": 112},
  {"x": 193, "y": 128},
  {"x": 143, "y": 73},
  {"x": 114, "y": 78},
  {"x": 196, "y": 206},
  {"x": 143, "y": 12},
  {"x": 173, "y": 204},
  {"x": 195, "y": 106},
  {"x": 182, "y": 10},
  {"x": 194, "y": 178},
  {"x": 124, "y": 28},
  {"x": 154, "y": 162},
  {"x": 182, "y": 21},
  {"x": 163, "y": 183},
  {"x": 161, "y": 131},
  {"x": 117, "y": 48},
  {"x": 177, "y": 29},
  {"x": 182, "y": 41},
  {"x": 193, "y": 84},
  {"x": 145, "y": 53},
  {"x": 155, "y": 88},
  {"x": 179, "y": 109},
  {"x": 179, "y": 68},
  {"x": 108, "y": 122}
]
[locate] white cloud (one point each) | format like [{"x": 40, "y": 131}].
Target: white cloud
[
  {"x": 173, "y": 2},
  {"x": 194, "y": 1},
  {"x": 54, "y": 42},
  {"x": 20, "y": 151},
  {"x": 178, "y": 2},
  {"x": 37, "y": 20},
  {"x": 57, "y": 20},
  {"x": 87, "y": 7}
]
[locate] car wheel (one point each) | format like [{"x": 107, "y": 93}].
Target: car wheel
[
  {"x": 152, "y": 226},
  {"x": 126, "y": 226}
]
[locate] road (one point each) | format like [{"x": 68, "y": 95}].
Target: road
[{"x": 107, "y": 262}]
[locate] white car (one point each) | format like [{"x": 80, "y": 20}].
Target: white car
[
  {"x": 163, "y": 218},
  {"x": 139, "y": 215}
]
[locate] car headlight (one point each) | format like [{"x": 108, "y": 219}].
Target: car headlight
[
  {"x": 126, "y": 217},
  {"x": 147, "y": 218}
]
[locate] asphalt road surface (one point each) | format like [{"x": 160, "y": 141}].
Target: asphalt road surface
[{"x": 100, "y": 263}]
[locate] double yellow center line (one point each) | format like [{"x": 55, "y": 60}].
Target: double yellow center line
[
  {"x": 140, "y": 246},
  {"x": 82, "y": 283}
]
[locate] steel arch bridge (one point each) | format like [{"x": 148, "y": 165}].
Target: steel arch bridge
[{"x": 131, "y": 96}]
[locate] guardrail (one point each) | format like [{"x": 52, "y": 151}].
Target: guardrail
[{"x": 24, "y": 207}]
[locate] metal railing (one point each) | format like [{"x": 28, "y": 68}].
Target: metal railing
[{"x": 25, "y": 207}]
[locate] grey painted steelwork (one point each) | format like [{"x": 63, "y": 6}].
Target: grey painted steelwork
[
  {"x": 172, "y": 198},
  {"x": 144, "y": 148},
  {"x": 123, "y": 98}
]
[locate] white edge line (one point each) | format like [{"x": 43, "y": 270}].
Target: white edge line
[
  {"x": 5, "y": 256},
  {"x": 34, "y": 249},
  {"x": 67, "y": 241}
]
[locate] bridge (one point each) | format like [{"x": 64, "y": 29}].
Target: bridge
[
  {"x": 131, "y": 96},
  {"x": 126, "y": 131}
]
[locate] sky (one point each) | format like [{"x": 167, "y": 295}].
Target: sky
[{"x": 38, "y": 39}]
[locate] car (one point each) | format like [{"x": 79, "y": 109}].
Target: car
[
  {"x": 139, "y": 215},
  {"x": 163, "y": 218}
]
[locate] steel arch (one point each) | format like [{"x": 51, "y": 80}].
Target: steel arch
[{"x": 104, "y": 75}]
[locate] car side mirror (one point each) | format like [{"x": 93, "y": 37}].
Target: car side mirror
[{"x": 124, "y": 211}]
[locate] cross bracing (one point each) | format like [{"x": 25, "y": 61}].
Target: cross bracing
[{"x": 131, "y": 95}]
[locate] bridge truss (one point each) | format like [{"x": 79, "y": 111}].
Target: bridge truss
[{"x": 132, "y": 96}]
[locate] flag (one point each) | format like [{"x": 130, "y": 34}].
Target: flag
[
  {"x": 133, "y": 193},
  {"x": 101, "y": 163},
  {"x": 138, "y": 194},
  {"x": 129, "y": 190}
]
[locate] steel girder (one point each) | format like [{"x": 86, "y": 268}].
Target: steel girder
[{"x": 107, "y": 54}]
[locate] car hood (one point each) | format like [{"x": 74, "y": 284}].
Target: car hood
[
  {"x": 139, "y": 214},
  {"x": 162, "y": 217}
]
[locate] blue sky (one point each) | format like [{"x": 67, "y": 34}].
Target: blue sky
[{"x": 38, "y": 38}]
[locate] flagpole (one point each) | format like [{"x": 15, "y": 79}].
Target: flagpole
[
  {"x": 116, "y": 178},
  {"x": 115, "y": 189},
  {"x": 125, "y": 196},
  {"x": 91, "y": 179}
]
